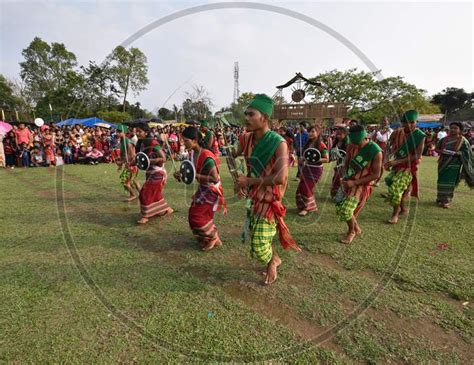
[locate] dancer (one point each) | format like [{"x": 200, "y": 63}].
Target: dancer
[
  {"x": 338, "y": 154},
  {"x": 454, "y": 163},
  {"x": 209, "y": 197},
  {"x": 310, "y": 174},
  {"x": 407, "y": 146},
  {"x": 152, "y": 202},
  {"x": 266, "y": 153},
  {"x": 128, "y": 177},
  {"x": 362, "y": 166}
]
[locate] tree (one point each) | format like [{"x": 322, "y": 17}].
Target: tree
[
  {"x": 47, "y": 67},
  {"x": 114, "y": 116},
  {"x": 197, "y": 104},
  {"x": 166, "y": 114},
  {"x": 453, "y": 99},
  {"x": 237, "y": 109},
  {"x": 129, "y": 70},
  {"x": 369, "y": 99}
]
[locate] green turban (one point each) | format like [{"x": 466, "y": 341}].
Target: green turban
[
  {"x": 122, "y": 128},
  {"x": 204, "y": 123},
  {"x": 262, "y": 103},
  {"x": 410, "y": 116},
  {"x": 357, "y": 134}
]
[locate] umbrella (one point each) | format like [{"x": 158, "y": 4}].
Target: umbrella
[
  {"x": 5, "y": 127},
  {"x": 104, "y": 125}
]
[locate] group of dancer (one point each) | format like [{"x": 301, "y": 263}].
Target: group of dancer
[{"x": 266, "y": 155}]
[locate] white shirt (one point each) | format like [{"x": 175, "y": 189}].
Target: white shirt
[
  {"x": 441, "y": 135},
  {"x": 383, "y": 137}
]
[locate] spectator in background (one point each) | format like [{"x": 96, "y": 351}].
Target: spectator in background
[
  {"x": 441, "y": 134},
  {"x": 300, "y": 141},
  {"x": 94, "y": 156},
  {"x": 23, "y": 135},
  {"x": 67, "y": 153},
  {"x": 36, "y": 158},
  {"x": 23, "y": 155}
]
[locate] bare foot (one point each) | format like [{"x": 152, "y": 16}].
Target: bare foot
[
  {"x": 302, "y": 213},
  {"x": 358, "y": 231},
  {"x": 143, "y": 220},
  {"x": 272, "y": 273},
  {"x": 393, "y": 219},
  {"x": 211, "y": 244},
  {"x": 348, "y": 238},
  {"x": 132, "y": 198},
  {"x": 445, "y": 205},
  {"x": 168, "y": 212},
  {"x": 404, "y": 211}
]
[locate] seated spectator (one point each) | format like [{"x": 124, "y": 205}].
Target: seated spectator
[
  {"x": 67, "y": 153},
  {"x": 36, "y": 157},
  {"x": 108, "y": 158},
  {"x": 81, "y": 155},
  {"x": 94, "y": 156}
]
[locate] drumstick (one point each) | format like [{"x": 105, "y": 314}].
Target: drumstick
[{"x": 171, "y": 154}]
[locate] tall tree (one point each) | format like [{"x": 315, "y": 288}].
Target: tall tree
[
  {"x": 453, "y": 99},
  {"x": 197, "y": 104},
  {"x": 129, "y": 70},
  {"x": 47, "y": 68},
  {"x": 369, "y": 99}
]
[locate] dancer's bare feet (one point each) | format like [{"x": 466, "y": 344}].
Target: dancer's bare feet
[
  {"x": 131, "y": 198},
  {"x": 168, "y": 212},
  {"x": 143, "y": 220},
  {"x": 404, "y": 211},
  {"x": 358, "y": 230},
  {"x": 302, "y": 213},
  {"x": 272, "y": 273},
  {"x": 348, "y": 238},
  {"x": 393, "y": 219}
]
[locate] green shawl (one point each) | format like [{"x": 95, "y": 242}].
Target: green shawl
[
  {"x": 412, "y": 141},
  {"x": 263, "y": 152},
  {"x": 362, "y": 159}
]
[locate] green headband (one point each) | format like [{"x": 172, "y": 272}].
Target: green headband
[
  {"x": 122, "y": 128},
  {"x": 357, "y": 137},
  {"x": 410, "y": 116},
  {"x": 262, "y": 103},
  {"x": 204, "y": 123}
]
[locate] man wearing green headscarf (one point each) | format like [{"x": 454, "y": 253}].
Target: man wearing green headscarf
[
  {"x": 129, "y": 170},
  {"x": 266, "y": 154},
  {"x": 209, "y": 140},
  {"x": 362, "y": 167},
  {"x": 406, "y": 147}
]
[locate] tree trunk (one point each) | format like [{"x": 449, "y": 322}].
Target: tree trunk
[{"x": 125, "y": 93}]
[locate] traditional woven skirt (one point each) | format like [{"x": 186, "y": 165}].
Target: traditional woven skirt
[
  {"x": 151, "y": 197},
  {"x": 304, "y": 194}
]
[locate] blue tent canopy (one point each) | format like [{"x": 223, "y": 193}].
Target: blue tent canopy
[
  {"x": 430, "y": 125},
  {"x": 87, "y": 122}
]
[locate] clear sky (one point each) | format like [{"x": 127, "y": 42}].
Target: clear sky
[{"x": 429, "y": 44}]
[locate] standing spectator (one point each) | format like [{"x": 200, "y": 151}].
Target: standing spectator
[
  {"x": 67, "y": 153},
  {"x": 23, "y": 135},
  {"x": 23, "y": 155},
  {"x": 9, "y": 150},
  {"x": 441, "y": 134},
  {"x": 301, "y": 139},
  {"x": 2, "y": 152}
]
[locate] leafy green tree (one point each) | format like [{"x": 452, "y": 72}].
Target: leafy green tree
[
  {"x": 370, "y": 99},
  {"x": 114, "y": 116},
  {"x": 129, "y": 71},
  {"x": 453, "y": 99},
  {"x": 197, "y": 104}
]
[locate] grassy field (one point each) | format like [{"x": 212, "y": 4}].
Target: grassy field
[{"x": 81, "y": 282}]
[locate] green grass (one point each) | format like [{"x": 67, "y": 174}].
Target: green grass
[{"x": 147, "y": 294}]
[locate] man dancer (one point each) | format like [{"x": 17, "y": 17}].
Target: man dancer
[
  {"x": 266, "y": 153},
  {"x": 362, "y": 165},
  {"x": 130, "y": 171},
  {"x": 152, "y": 202},
  {"x": 209, "y": 197},
  {"x": 209, "y": 140},
  {"x": 407, "y": 145}
]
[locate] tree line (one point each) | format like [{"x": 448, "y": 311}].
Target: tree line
[{"x": 52, "y": 85}]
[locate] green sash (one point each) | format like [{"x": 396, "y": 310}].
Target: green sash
[
  {"x": 263, "y": 152},
  {"x": 362, "y": 159},
  {"x": 123, "y": 146},
  {"x": 412, "y": 141}
]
